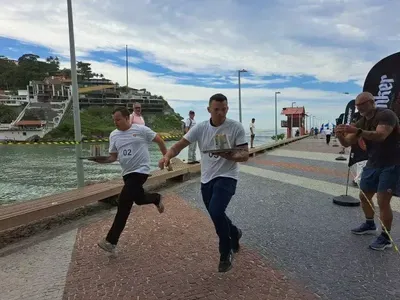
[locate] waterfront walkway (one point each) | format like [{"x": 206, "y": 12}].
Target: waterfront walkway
[{"x": 296, "y": 243}]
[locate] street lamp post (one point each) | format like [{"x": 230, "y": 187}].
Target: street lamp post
[
  {"x": 276, "y": 115},
  {"x": 75, "y": 99},
  {"x": 240, "y": 94}
]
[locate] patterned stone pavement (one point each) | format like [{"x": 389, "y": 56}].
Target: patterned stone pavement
[
  {"x": 296, "y": 243},
  {"x": 170, "y": 256}
]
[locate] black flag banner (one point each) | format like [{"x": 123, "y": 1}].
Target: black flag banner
[
  {"x": 339, "y": 120},
  {"x": 382, "y": 81},
  {"x": 349, "y": 112},
  {"x": 357, "y": 153}
]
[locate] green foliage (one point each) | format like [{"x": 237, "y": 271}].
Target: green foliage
[
  {"x": 97, "y": 122},
  {"x": 165, "y": 123},
  {"x": 17, "y": 76},
  {"x": 278, "y": 137},
  {"x": 7, "y": 114}
]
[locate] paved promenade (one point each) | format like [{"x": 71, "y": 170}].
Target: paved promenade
[{"x": 296, "y": 243}]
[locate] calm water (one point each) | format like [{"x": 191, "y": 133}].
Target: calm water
[{"x": 33, "y": 171}]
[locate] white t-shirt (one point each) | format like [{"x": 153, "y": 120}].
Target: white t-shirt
[
  {"x": 216, "y": 166},
  {"x": 188, "y": 124},
  {"x": 252, "y": 127},
  {"x": 328, "y": 131},
  {"x": 132, "y": 148}
]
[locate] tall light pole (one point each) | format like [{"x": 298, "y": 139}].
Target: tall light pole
[
  {"x": 240, "y": 94},
  {"x": 75, "y": 99},
  {"x": 276, "y": 115}
]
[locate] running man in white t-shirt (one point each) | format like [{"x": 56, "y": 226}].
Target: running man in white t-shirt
[
  {"x": 130, "y": 144},
  {"x": 219, "y": 172}
]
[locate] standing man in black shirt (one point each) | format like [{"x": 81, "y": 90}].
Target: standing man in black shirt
[{"x": 379, "y": 128}]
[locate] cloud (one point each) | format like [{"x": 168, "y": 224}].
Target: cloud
[
  {"x": 181, "y": 36},
  {"x": 277, "y": 41},
  {"x": 254, "y": 100}
]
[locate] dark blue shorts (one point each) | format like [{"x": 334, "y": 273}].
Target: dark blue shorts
[{"x": 380, "y": 179}]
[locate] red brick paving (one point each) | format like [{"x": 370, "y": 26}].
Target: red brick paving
[
  {"x": 311, "y": 144},
  {"x": 170, "y": 256}
]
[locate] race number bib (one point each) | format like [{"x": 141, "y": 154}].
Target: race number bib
[
  {"x": 126, "y": 152},
  {"x": 210, "y": 155}
]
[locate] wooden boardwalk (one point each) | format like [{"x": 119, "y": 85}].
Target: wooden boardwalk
[{"x": 21, "y": 214}]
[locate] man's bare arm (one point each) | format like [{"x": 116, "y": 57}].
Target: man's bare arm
[
  {"x": 241, "y": 155},
  {"x": 177, "y": 148},
  {"x": 106, "y": 160},
  {"x": 348, "y": 139},
  {"x": 161, "y": 144},
  {"x": 379, "y": 135},
  {"x": 237, "y": 156}
]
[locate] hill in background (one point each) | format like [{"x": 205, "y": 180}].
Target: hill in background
[{"x": 95, "y": 121}]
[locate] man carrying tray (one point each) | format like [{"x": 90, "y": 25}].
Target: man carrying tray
[
  {"x": 219, "y": 170},
  {"x": 130, "y": 144}
]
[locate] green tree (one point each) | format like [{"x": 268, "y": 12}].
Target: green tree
[
  {"x": 7, "y": 114},
  {"x": 8, "y": 71},
  {"x": 84, "y": 71},
  {"x": 30, "y": 67},
  {"x": 65, "y": 72}
]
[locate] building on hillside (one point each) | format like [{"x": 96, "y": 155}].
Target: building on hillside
[
  {"x": 9, "y": 99},
  {"x": 123, "y": 97},
  {"x": 50, "y": 89},
  {"x": 93, "y": 82},
  {"x": 55, "y": 90}
]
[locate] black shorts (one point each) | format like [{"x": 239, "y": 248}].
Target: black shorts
[{"x": 252, "y": 135}]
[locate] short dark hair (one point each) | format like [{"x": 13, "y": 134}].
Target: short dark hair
[
  {"x": 218, "y": 97},
  {"x": 123, "y": 110},
  {"x": 253, "y": 119}
]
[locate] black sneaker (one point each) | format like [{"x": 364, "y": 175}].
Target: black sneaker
[
  {"x": 365, "y": 228},
  {"x": 235, "y": 243},
  {"x": 381, "y": 243},
  {"x": 225, "y": 263},
  {"x": 159, "y": 204}
]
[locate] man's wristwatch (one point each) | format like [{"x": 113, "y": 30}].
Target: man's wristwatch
[{"x": 359, "y": 132}]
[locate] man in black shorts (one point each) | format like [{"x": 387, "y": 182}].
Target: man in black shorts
[{"x": 379, "y": 128}]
